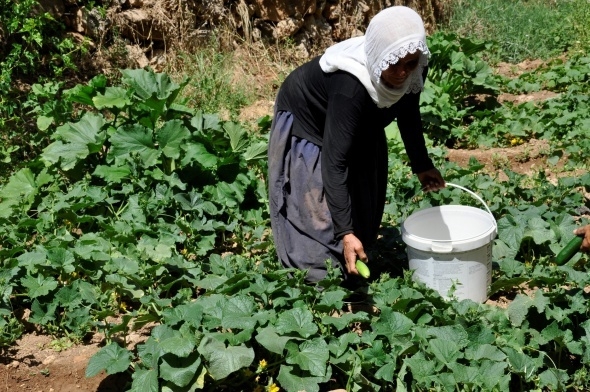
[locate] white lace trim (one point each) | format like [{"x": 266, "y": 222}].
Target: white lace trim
[{"x": 401, "y": 52}]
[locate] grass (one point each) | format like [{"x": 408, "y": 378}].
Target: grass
[{"x": 523, "y": 29}]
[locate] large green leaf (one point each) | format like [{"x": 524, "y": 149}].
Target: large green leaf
[
  {"x": 113, "y": 97},
  {"x": 198, "y": 152},
  {"x": 447, "y": 351},
  {"x": 147, "y": 83},
  {"x": 238, "y": 312},
  {"x": 223, "y": 361},
  {"x": 39, "y": 286},
  {"x": 311, "y": 355},
  {"x": 179, "y": 371},
  {"x": 112, "y": 173},
  {"x": 270, "y": 340},
  {"x": 256, "y": 151},
  {"x": 111, "y": 358},
  {"x": 298, "y": 320},
  {"x": 291, "y": 381},
  {"x": 237, "y": 136},
  {"x": 87, "y": 131},
  {"x": 145, "y": 380},
  {"x": 67, "y": 154},
  {"x": 135, "y": 139},
  {"x": 171, "y": 136},
  {"x": 392, "y": 323},
  {"x": 21, "y": 188},
  {"x": 75, "y": 141}
]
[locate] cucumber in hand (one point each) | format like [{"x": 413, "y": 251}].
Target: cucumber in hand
[
  {"x": 569, "y": 251},
  {"x": 363, "y": 269}
]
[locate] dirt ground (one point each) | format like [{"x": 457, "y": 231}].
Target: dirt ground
[{"x": 34, "y": 363}]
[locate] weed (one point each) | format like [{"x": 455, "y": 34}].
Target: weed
[{"x": 523, "y": 29}]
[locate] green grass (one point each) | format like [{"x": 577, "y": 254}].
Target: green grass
[
  {"x": 533, "y": 29},
  {"x": 213, "y": 87}
]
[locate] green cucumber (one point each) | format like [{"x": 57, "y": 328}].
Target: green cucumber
[
  {"x": 569, "y": 251},
  {"x": 363, "y": 269}
]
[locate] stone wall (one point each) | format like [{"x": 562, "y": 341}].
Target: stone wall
[{"x": 150, "y": 28}]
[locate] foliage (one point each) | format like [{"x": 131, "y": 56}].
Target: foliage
[
  {"x": 212, "y": 85},
  {"x": 138, "y": 208},
  {"x": 456, "y": 75},
  {"x": 523, "y": 29},
  {"x": 33, "y": 49},
  {"x": 136, "y": 180},
  {"x": 144, "y": 209}
]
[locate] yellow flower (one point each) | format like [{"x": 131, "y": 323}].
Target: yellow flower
[
  {"x": 262, "y": 364},
  {"x": 514, "y": 141},
  {"x": 273, "y": 388}
]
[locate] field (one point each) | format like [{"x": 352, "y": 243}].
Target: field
[{"x": 136, "y": 251}]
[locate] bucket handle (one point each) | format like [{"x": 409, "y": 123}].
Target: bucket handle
[
  {"x": 472, "y": 194},
  {"x": 478, "y": 198}
]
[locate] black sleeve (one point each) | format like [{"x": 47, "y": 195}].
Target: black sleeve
[
  {"x": 409, "y": 122},
  {"x": 343, "y": 120}
]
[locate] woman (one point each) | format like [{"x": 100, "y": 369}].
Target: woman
[{"x": 327, "y": 148}]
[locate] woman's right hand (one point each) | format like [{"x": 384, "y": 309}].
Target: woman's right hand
[{"x": 353, "y": 250}]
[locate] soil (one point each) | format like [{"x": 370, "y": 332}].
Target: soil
[{"x": 36, "y": 363}]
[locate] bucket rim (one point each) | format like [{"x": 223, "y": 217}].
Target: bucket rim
[{"x": 493, "y": 229}]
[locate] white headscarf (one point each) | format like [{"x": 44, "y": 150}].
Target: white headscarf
[{"x": 391, "y": 35}]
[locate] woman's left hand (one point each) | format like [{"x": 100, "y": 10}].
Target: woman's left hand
[{"x": 431, "y": 180}]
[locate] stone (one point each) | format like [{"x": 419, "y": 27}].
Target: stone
[{"x": 275, "y": 10}]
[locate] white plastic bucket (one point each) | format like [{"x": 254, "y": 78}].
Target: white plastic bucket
[{"x": 452, "y": 245}]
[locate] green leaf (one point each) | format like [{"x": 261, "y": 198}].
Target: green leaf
[
  {"x": 21, "y": 188},
  {"x": 446, "y": 351},
  {"x": 177, "y": 344},
  {"x": 67, "y": 154},
  {"x": 518, "y": 309},
  {"x": 68, "y": 297},
  {"x": 293, "y": 382},
  {"x": 171, "y": 136},
  {"x": 256, "y": 151},
  {"x": 392, "y": 323},
  {"x": 87, "y": 131},
  {"x": 484, "y": 351},
  {"x": 135, "y": 139},
  {"x": 112, "y": 173},
  {"x": 145, "y": 380},
  {"x": 223, "y": 361},
  {"x": 298, "y": 320},
  {"x": 42, "y": 314},
  {"x": 113, "y": 97},
  {"x": 345, "y": 319},
  {"x": 179, "y": 371},
  {"x": 197, "y": 152},
  {"x": 44, "y": 122},
  {"x": 270, "y": 340},
  {"x": 238, "y": 312},
  {"x": 111, "y": 358},
  {"x": 147, "y": 83},
  {"x": 420, "y": 366},
  {"x": 237, "y": 136},
  {"x": 39, "y": 286},
  {"x": 311, "y": 355}
]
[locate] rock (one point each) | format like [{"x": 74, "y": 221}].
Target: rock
[
  {"x": 136, "y": 25},
  {"x": 50, "y": 359},
  {"x": 287, "y": 28},
  {"x": 55, "y": 8},
  {"x": 276, "y": 11}
]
